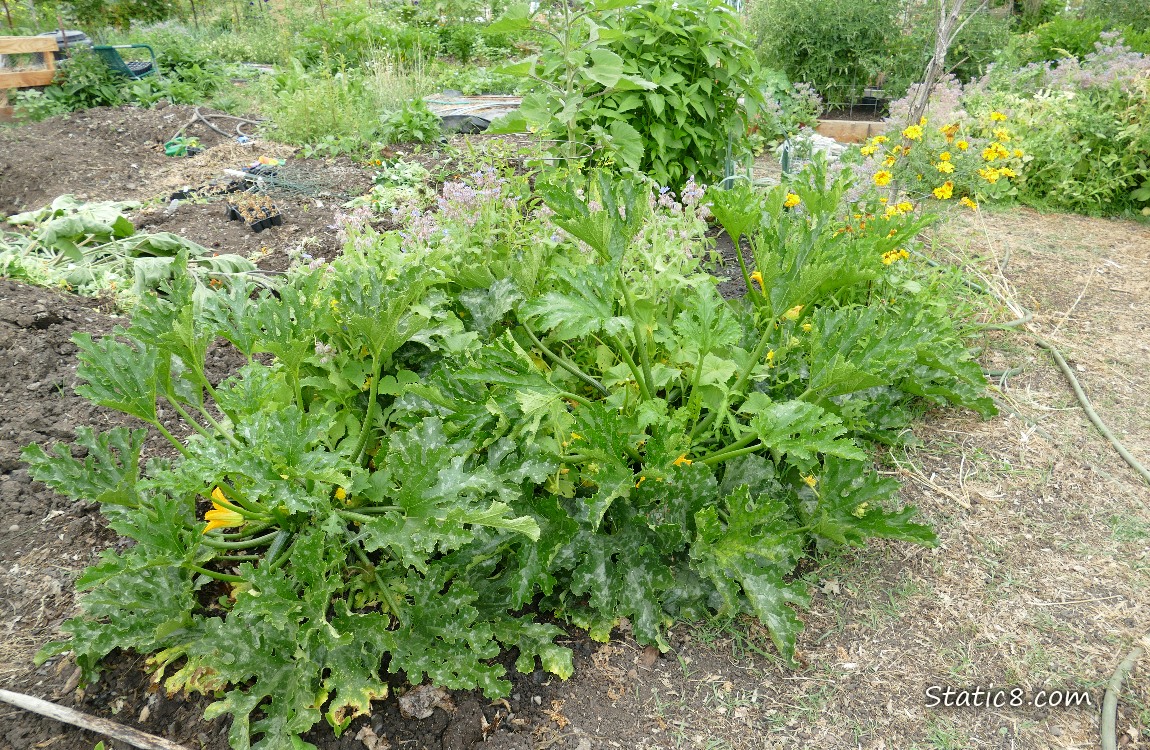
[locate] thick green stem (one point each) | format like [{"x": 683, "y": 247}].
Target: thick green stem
[
  {"x": 384, "y": 591},
  {"x": 566, "y": 365},
  {"x": 745, "y": 375},
  {"x": 219, "y": 428},
  {"x": 712, "y": 460},
  {"x": 641, "y": 340},
  {"x": 170, "y": 437},
  {"x": 634, "y": 368},
  {"x": 372, "y": 397},
  {"x": 186, "y": 417},
  {"x": 745, "y": 441},
  {"x": 213, "y": 574},
  {"x": 259, "y": 541}
]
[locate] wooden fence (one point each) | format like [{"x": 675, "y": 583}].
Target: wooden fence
[{"x": 23, "y": 77}]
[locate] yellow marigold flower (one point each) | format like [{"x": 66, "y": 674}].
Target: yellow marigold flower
[
  {"x": 962, "y": 145},
  {"x": 945, "y": 167},
  {"x": 793, "y": 313},
  {"x": 682, "y": 461},
  {"x": 944, "y": 156},
  {"x": 879, "y": 139},
  {"x": 891, "y": 212},
  {"x": 1007, "y": 172},
  {"x": 969, "y": 203},
  {"x": 997, "y": 117},
  {"x": 868, "y": 150},
  {"x": 891, "y": 256},
  {"x": 810, "y": 480},
  {"x": 990, "y": 174},
  {"x": 888, "y": 161},
  {"x": 989, "y": 154},
  {"x": 944, "y": 191},
  {"x": 757, "y": 278},
  {"x": 1002, "y": 134},
  {"x": 792, "y": 200},
  {"x": 221, "y": 517},
  {"x": 882, "y": 177},
  {"x": 905, "y": 207},
  {"x": 949, "y": 131},
  {"x": 340, "y": 493},
  {"x": 1018, "y": 153},
  {"x": 913, "y": 133}
]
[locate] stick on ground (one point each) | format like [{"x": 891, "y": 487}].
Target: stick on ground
[{"x": 133, "y": 737}]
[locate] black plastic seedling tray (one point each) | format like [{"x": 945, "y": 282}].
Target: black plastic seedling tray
[{"x": 275, "y": 220}]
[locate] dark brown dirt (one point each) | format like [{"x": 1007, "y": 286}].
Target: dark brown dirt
[{"x": 106, "y": 153}]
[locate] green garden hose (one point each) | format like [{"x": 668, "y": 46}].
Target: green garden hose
[
  {"x": 1110, "y": 701},
  {"x": 1079, "y": 393}
]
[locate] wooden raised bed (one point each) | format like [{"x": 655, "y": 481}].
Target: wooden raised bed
[{"x": 25, "y": 77}]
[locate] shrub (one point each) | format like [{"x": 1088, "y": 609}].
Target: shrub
[
  {"x": 493, "y": 409},
  {"x": 838, "y": 46},
  {"x": 659, "y": 92}
]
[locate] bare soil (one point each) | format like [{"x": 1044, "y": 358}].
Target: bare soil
[{"x": 1041, "y": 579}]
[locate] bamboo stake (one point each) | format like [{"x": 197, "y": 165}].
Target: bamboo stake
[{"x": 133, "y": 737}]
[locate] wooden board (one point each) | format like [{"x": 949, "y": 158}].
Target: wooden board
[
  {"x": 849, "y": 131},
  {"x": 18, "y": 45},
  {"x": 24, "y": 78}
]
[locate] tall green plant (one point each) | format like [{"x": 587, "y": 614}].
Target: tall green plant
[
  {"x": 656, "y": 83},
  {"x": 498, "y": 407}
]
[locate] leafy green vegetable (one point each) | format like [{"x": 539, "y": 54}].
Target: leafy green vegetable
[{"x": 476, "y": 415}]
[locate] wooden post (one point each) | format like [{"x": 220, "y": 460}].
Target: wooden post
[{"x": 23, "y": 45}]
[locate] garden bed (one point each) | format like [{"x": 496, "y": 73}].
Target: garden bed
[{"x": 1040, "y": 577}]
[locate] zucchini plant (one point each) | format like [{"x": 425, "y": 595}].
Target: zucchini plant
[{"x": 533, "y": 401}]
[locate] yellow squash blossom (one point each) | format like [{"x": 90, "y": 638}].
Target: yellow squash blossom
[
  {"x": 340, "y": 493},
  {"x": 945, "y": 167},
  {"x": 969, "y": 203},
  {"x": 792, "y": 200},
  {"x": 771, "y": 358},
  {"x": 807, "y": 327},
  {"x": 944, "y": 191},
  {"x": 793, "y": 313},
  {"x": 682, "y": 461},
  {"x": 882, "y": 177},
  {"x": 221, "y": 517},
  {"x": 757, "y": 278},
  {"x": 810, "y": 481},
  {"x": 913, "y": 133}
]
